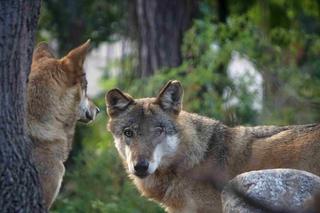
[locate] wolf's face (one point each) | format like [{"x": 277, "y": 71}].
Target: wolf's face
[
  {"x": 70, "y": 78},
  {"x": 145, "y": 131}
]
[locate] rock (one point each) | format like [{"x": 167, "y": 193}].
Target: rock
[{"x": 273, "y": 190}]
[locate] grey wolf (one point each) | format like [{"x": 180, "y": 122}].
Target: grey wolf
[{"x": 168, "y": 152}]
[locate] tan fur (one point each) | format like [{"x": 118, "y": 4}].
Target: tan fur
[
  {"x": 208, "y": 154},
  {"x": 56, "y": 89}
]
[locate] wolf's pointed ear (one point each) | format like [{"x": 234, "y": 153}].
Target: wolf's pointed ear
[
  {"x": 170, "y": 97},
  {"x": 42, "y": 50},
  {"x": 77, "y": 55},
  {"x": 117, "y": 101}
]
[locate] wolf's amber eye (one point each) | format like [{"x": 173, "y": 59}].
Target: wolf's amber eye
[{"x": 128, "y": 132}]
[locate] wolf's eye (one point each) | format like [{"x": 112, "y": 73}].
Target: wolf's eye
[
  {"x": 159, "y": 130},
  {"x": 128, "y": 132}
]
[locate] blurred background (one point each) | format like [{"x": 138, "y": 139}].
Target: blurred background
[{"x": 244, "y": 62}]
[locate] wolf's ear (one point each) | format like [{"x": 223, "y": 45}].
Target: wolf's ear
[
  {"x": 75, "y": 58},
  {"x": 117, "y": 101},
  {"x": 170, "y": 97},
  {"x": 42, "y": 50}
]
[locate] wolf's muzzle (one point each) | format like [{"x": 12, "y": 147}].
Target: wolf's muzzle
[
  {"x": 91, "y": 115},
  {"x": 141, "y": 168}
]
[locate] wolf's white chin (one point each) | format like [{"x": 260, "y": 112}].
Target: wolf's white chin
[{"x": 163, "y": 149}]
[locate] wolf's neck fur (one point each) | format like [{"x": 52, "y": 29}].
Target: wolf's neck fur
[
  {"x": 206, "y": 136},
  {"x": 51, "y": 118}
]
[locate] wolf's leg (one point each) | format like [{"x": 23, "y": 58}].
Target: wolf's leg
[{"x": 51, "y": 178}]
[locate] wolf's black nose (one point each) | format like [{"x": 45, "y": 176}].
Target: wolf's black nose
[
  {"x": 141, "y": 168},
  {"x": 88, "y": 115}
]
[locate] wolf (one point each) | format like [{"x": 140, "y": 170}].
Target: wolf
[
  {"x": 56, "y": 100},
  {"x": 182, "y": 160}
]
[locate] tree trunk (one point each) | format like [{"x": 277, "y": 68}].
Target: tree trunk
[
  {"x": 160, "y": 25},
  {"x": 19, "y": 183}
]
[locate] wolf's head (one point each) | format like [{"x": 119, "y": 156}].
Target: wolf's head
[
  {"x": 64, "y": 81},
  {"x": 145, "y": 130}
]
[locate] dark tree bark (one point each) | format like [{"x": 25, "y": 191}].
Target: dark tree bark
[
  {"x": 19, "y": 183},
  {"x": 160, "y": 25}
]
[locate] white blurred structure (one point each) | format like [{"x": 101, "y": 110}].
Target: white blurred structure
[
  {"x": 242, "y": 71},
  {"x": 97, "y": 61}
]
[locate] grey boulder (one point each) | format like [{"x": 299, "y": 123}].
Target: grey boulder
[{"x": 272, "y": 190}]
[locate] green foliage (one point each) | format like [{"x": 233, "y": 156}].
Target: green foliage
[
  {"x": 207, "y": 49},
  {"x": 285, "y": 55}
]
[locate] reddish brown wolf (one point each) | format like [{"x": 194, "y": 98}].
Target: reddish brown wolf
[
  {"x": 57, "y": 99},
  {"x": 164, "y": 148}
]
